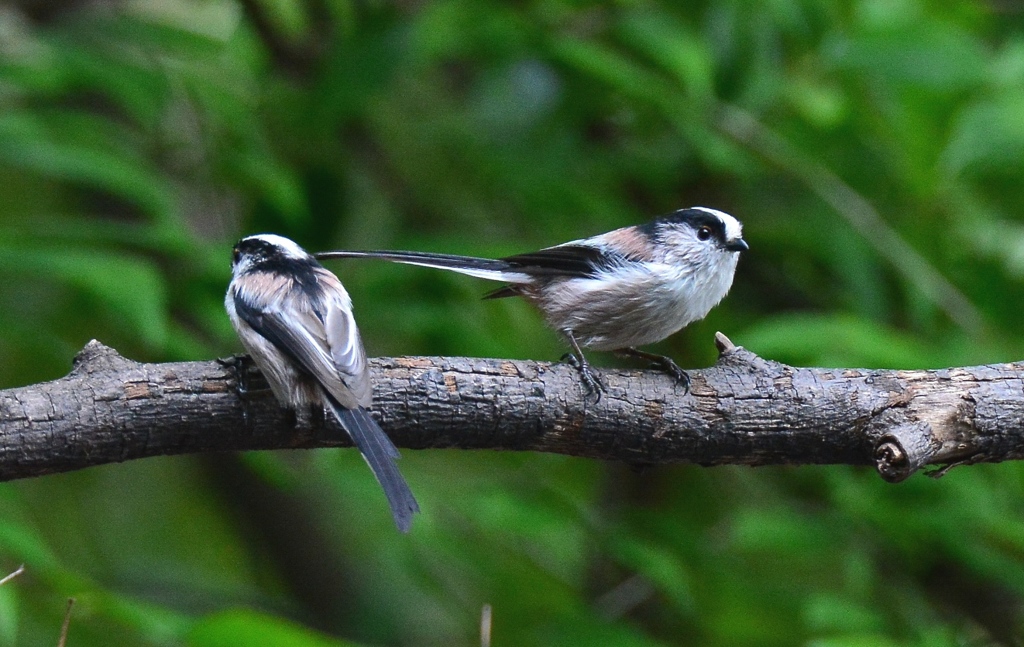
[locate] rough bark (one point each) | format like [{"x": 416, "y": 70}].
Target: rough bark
[{"x": 743, "y": 410}]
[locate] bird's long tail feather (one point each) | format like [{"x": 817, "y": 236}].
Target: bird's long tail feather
[
  {"x": 481, "y": 268},
  {"x": 380, "y": 454}
]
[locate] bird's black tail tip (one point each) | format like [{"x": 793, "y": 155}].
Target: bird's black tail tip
[
  {"x": 403, "y": 517},
  {"x": 380, "y": 454}
]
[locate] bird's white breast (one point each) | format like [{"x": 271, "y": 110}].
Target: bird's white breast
[{"x": 638, "y": 305}]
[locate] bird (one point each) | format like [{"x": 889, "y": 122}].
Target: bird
[
  {"x": 294, "y": 317},
  {"x": 614, "y": 291}
]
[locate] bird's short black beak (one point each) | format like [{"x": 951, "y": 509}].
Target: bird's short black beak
[{"x": 738, "y": 245}]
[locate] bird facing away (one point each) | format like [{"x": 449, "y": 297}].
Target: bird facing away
[
  {"x": 295, "y": 319},
  {"x": 614, "y": 291}
]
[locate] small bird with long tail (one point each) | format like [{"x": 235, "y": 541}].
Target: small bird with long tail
[
  {"x": 615, "y": 291},
  {"x": 295, "y": 319}
]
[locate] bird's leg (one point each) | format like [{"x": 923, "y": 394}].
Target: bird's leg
[
  {"x": 591, "y": 382},
  {"x": 661, "y": 362},
  {"x": 239, "y": 365}
]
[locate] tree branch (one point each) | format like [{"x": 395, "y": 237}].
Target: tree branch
[{"x": 744, "y": 410}]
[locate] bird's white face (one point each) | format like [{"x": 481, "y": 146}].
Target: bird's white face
[
  {"x": 702, "y": 239},
  {"x": 733, "y": 228}
]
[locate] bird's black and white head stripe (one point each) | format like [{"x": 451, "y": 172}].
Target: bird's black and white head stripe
[
  {"x": 706, "y": 225},
  {"x": 267, "y": 250}
]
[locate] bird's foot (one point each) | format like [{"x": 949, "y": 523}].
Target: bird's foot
[
  {"x": 246, "y": 381},
  {"x": 592, "y": 384},
  {"x": 239, "y": 367},
  {"x": 669, "y": 367},
  {"x": 664, "y": 364},
  {"x": 234, "y": 362}
]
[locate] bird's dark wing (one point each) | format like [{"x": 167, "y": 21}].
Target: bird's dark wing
[
  {"x": 569, "y": 260},
  {"x": 299, "y": 332},
  {"x": 271, "y": 327},
  {"x": 503, "y": 292}
]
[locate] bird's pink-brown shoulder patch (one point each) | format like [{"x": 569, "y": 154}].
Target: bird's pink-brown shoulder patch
[
  {"x": 630, "y": 242},
  {"x": 263, "y": 286}
]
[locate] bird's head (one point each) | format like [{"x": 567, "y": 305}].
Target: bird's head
[
  {"x": 266, "y": 252},
  {"x": 698, "y": 234}
]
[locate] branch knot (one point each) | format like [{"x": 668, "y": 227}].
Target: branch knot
[
  {"x": 904, "y": 450},
  {"x": 98, "y": 357}
]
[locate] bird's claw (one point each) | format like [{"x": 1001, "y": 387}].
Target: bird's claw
[
  {"x": 232, "y": 361},
  {"x": 662, "y": 363},
  {"x": 238, "y": 365},
  {"x": 682, "y": 378},
  {"x": 592, "y": 384}
]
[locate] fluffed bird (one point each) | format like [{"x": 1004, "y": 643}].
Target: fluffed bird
[
  {"x": 295, "y": 319},
  {"x": 615, "y": 291}
]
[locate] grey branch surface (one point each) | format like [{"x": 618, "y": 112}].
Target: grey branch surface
[{"x": 743, "y": 410}]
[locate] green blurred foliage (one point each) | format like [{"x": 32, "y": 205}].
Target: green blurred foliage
[{"x": 138, "y": 140}]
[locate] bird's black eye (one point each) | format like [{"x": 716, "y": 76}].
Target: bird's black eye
[{"x": 704, "y": 233}]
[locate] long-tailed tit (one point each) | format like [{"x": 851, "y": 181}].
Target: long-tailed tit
[
  {"x": 295, "y": 319},
  {"x": 615, "y": 291}
]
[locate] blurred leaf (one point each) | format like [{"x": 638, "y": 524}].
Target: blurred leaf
[
  {"x": 130, "y": 287},
  {"x": 777, "y": 531},
  {"x": 159, "y": 624},
  {"x": 988, "y": 136},
  {"x": 24, "y": 543},
  {"x": 249, "y": 627},
  {"x": 935, "y": 56},
  {"x": 856, "y": 640},
  {"x": 676, "y": 48},
  {"x": 659, "y": 565},
  {"x": 131, "y": 82},
  {"x": 287, "y": 17},
  {"x": 258, "y": 172},
  {"x": 33, "y": 144},
  {"x": 820, "y": 103},
  {"x": 612, "y": 68},
  {"x": 10, "y": 602},
  {"x": 836, "y": 615},
  {"x": 835, "y": 340}
]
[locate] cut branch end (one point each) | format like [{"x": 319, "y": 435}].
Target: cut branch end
[
  {"x": 724, "y": 344},
  {"x": 904, "y": 450}
]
